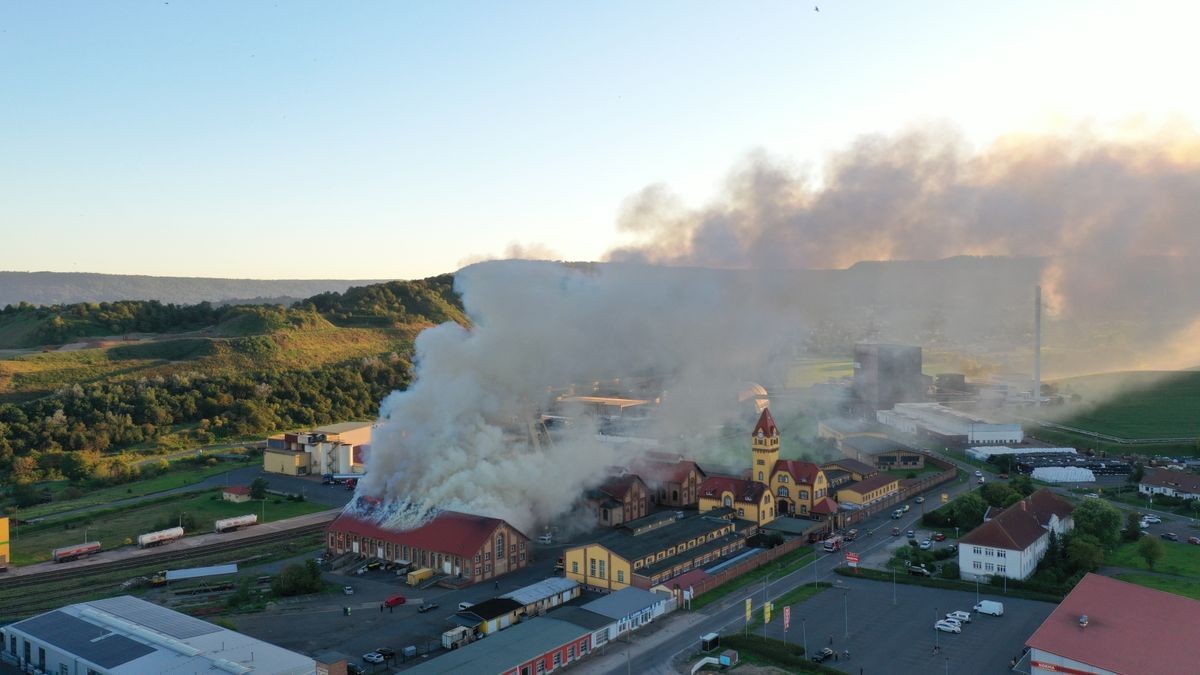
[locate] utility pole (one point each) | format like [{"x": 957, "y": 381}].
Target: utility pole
[
  {"x": 846, "y": 609},
  {"x": 893, "y": 585},
  {"x": 804, "y": 636}
]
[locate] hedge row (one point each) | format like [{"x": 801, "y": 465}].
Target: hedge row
[{"x": 774, "y": 652}]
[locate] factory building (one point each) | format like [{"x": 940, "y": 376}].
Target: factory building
[
  {"x": 941, "y": 423},
  {"x": 649, "y": 551},
  {"x": 331, "y": 449},
  {"x": 619, "y": 499},
  {"x": 541, "y": 645},
  {"x": 671, "y": 479},
  {"x": 466, "y": 547},
  {"x": 882, "y": 453},
  {"x": 887, "y": 374},
  {"x": 129, "y": 636}
]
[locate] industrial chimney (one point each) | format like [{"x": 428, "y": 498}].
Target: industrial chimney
[{"x": 1037, "y": 346}]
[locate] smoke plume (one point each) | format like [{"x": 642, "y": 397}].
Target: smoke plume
[{"x": 459, "y": 437}]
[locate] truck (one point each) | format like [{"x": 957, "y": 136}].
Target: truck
[
  {"x": 231, "y": 524},
  {"x": 833, "y": 543},
  {"x": 990, "y": 607},
  {"x": 416, "y": 577},
  {"x": 457, "y": 637},
  {"x": 68, "y": 553},
  {"x": 160, "y": 537}
]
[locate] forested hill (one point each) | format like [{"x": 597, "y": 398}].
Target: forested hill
[
  {"x": 64, "y": 288},
  {"x": 395, "y": 303}
]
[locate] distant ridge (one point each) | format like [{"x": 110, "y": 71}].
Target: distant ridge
[{"x": 54, "y": 288}]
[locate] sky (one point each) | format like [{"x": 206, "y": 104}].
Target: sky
[{"x": 401, "y": 140}]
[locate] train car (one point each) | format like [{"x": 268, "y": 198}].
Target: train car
[
  {"x": 76, "y": 551},
  {"x": 231, "y": 524},
  {"x": 160, "y": 537}
]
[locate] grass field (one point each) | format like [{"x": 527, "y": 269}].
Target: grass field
[
  {"x": 1189, "y": 588},
  {"x": 777, "y": 568},
  {"x": 1143, "y": 404},
  {"x": 33, "y": 545},
  {"x": 1181, "y": 558}
]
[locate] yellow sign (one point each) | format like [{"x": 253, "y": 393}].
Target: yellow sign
[
  {"x": 945, "y": 497},
  {"x": 4, "y": 555},
  {"x": 749, "y": 610},
  {"x": 767, "y": 612}
]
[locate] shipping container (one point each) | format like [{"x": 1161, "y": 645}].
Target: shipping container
[
  {"x": 160, "y": 537},
  {"x": 231, "y": 524},
  {"x": 417, "y": 576}
]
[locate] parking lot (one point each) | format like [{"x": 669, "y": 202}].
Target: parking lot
[{"x": 899, "y": 638}]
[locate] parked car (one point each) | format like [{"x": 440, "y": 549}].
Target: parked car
[
  {"x": 919, "y": 571},
  {"x": 1194, "y": 540},
  {"x": 959, "y": 615},
  {"x": 953, "y": 548},
  {"x": 981, "y": 480},
  {"x": 386, "y": 653},
  {"x": 911, "y": 535},
  {"x": 348, "y": 590},
  {"x": 373, "y": 657},
  {"x": 427, "y": 607},
  {"x": 939, "y": 536},
  {"x": 851, "y": 534},
  {"x": 948, "y": 626},
  {"x": 919, "y": 500},
  {"x": 926, "y": 545},
  {"x": 990, "y": 607},
  {"x": 354, "y": 669},
  {"x": 895, "y": 532},
  {"x": 978, "y": 473},
  {"x": 546, "y": 538},
  {"x": 905, "y": 508},
  {"x": 1092, "y": 495},
  {"x": 953, "y": 621},
  {"x": 395, "y": 601},
  {"x": 1169, "y": 536},
  {"x": 825, "y": 653},
  {"x": 1152, "y": 519}
]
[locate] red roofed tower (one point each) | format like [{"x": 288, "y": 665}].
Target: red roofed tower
[{"x": 764, "y": 446}]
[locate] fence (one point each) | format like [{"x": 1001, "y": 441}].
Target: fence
[
  {"x": 948, "y": 474},
  {"x": 748, "y": 565}
]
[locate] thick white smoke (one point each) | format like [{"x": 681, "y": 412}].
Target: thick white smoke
[{"x": 456, "y": 438}]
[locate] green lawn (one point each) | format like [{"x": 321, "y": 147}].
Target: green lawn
[
  {"x": 174, "y": 478},
  {"x": 33, "y": 545},
  {"x": 1189, "y": 588},
  {"x": 777, "y": 568},
  {"x": 792, "y": 597},
  {"x": 1181, "y": 558}
]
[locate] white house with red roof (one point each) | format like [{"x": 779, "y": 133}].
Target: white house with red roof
[
  {"x": 1169, "y": 482},
  {"x": 1108, "y": 626},
  {"x": 1012, "y": 542},
  {"x": 466, "y": 547},
  {"x": 236, "y": 493}
]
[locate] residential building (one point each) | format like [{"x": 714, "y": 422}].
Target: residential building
[
  {"x": 651, "y": 550},
  {"x": 882, "y": 453},
  {"x": 236, "y": 493},
  {"x": 749, "y": 499},
  {"x": 1012, "y": 542},
  {"x": 619, "y": 499},
  {"x": 671, "y": 479},
  {"x": 864, "y": 493},
  {"x": 1172, "y": 483},
  {"x": 1107, "y": 626},
  {"x": 465, "y": 546},
  {"x": 887, "y": 374},
  {"x": 540, "y": 645},
  {"x": 631, "y": 608},
  {"x": 331, "y": 449},
  {"x": 129, "y": 636}
]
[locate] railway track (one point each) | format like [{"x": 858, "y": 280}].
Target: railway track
[{"x": 154, "y": 559}]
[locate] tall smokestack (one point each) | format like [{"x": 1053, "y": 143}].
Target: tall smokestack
[{"x": 1037, "y": 346}]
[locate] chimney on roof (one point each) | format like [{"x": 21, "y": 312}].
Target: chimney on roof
[{"x": 1083, "y": 621}]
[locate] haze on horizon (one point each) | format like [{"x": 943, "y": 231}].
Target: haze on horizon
[{"x": 399, "y": 141}]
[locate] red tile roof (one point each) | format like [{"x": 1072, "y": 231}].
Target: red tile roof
[
  {"x": 873, "y": 483},
  {"x": 804, "y": 473},
  {"x": 743, "y": 490},
  {"x": 660, "y": 471},
  {"x": 1180, "y": 481},
  {"x": 618, "y": 486},
  {"x": 237, "y": 490},
  {"x": 461, "y": 534},
  {"x": 825, "y": 506},
  {"x": 766, "y": 424},
  {"x": 1130, "y": 629},
  {"x": 1020, "y": 525}
]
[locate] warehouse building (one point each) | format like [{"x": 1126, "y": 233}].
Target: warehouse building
[
  {"x": 619, "y": 499},
  {"x": 467, "y": 547},
  {"x": 631, "y": 608},
  {"x": 545, "y": 595},
  {"x": 1109, "y": 626},
  {"x": 646, "y": 552},
  {"x": 941, "y": 423},
  {"x": 489, "y": 616},
  {"x": 869, "y": 491},
  {"x": 540, "y": 645},
  {"x": 882, "y": 453},
  {"x": 332, "y": 449},
  {"x": 129, "y": 636},
  {"x": 672, "y": 480}
]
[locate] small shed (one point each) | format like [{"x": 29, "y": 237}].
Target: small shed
[{"x": 236, "y": 493}]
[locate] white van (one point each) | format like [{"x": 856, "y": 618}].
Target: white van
[{"x": 990, "y": 607}]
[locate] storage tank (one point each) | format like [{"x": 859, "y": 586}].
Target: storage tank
[
  {"x": 230, "y": 524},
  {"x": 160, "y": 537}
]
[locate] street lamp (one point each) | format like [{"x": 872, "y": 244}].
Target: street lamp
[
  {"x": 846, "y": 609},
  {"x": 937, "y": 638},
  {"x": 893, "y": 585},
  {"x": 947, "y": 665},
  {"x": 804, "y": 635}
]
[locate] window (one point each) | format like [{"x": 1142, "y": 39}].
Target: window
[
  {"x": 728, "y": 501},
  {"x": 783, "y": 478},
  {"x": 593, "y": 567},
  {"x": 804, "y": 494},
  {"x": 741, "y": 513},
  {"x": 783, "y": 492},
  {"x": 477, "y": 557},
  {"x": 601, "y": 569},
  {"x": 978, "y": 565},
  {"x": 976, "y": 550},
  {"x": 500, "y": 545},
  {"x": 486, "y": 556},
  {"x": 557, "y": 659},
  {"x": 621, "y": 576},
  {"x": 760, "y": 475},
  {"x": 575, "y": 567},
  {"x": 1001, "y": 569},
  {"x": 478, "y": 570},
  {"x": 541, "y": 666},
  {"x": 989, "y": 567},
  {"x": 487, "y": 568},
  {"x": 512, "y": 548},
  {"x": 1001, "y": 553},
  {"x": 570, "y": 653}
]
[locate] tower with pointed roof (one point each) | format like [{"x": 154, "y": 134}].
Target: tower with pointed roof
[{"x": 764, "y": 446}]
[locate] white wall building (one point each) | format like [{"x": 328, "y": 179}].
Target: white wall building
[
  {"x": 632, "y": 607},
  {"x": 938, "y": 420},
  {"x": 1172, "y": 483},
  {"x": 1013, "y": 542},
  {"x": 129, "y": 636}
]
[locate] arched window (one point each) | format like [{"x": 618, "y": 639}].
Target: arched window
[
  {"x": 728, "y": 501},
  {"x": 500, "y": 545},
  {"x": 760, "y": 475},
  {"x": 783, "y": 492}
]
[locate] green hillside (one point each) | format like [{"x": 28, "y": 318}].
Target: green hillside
[{"x": 1133, "y": 404}]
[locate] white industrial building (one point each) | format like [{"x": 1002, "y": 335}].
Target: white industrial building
[
  {"x": 129, "y": 636},
  {"x": 937, "y": 420},
  {"x": 984, "y": 453},
  {"x": 339, "y": 449}
]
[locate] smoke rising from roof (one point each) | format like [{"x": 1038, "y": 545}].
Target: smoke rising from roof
[{"x": 455, "y": 439}]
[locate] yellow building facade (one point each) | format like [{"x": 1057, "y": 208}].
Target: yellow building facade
[
  {"x": 869, "y": 491},
  {"x": 5, "y": 554},
  {"x": 750, "y": 500}
]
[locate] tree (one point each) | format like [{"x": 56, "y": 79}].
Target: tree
[
  {"x": 1133, "y": 526},
  {"x": 258, "y": 488},
  {"x": 969, "y": 510},
  {"x": 1151, "y": 550},
  {"x": 999, "y": 495},
  {"x": 1139, "y": 472},
  {"x": 1099, "y": 519},
  {"x": 1084, "y": 552},
  {"x": 1022, "y": 484}
]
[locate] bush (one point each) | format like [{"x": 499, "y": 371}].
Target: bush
[
  {"x": 949, "y": 571},
  {"x": 298, "y": 579}
]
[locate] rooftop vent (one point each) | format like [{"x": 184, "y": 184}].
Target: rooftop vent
[{"x": 1083, "y": 621}]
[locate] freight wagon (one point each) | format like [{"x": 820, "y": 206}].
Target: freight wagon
[
  {"x": 160, "y": 537},
  {"x": 77, "y": 551},
  {"x": 231, "y": 524}
]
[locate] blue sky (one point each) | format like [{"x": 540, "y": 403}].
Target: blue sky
[{"x": 398, "y": 140}]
